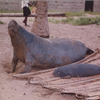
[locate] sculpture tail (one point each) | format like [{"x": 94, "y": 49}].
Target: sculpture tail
[{"x": 89, "y": 51}]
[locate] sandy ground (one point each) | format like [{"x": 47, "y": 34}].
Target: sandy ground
[{"x": 14, "y": 89}]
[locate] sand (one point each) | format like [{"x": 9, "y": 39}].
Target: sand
[{"x": 15, "y": 89}]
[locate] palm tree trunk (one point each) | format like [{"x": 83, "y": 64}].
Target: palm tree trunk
[{"x": 40, "y": 26}]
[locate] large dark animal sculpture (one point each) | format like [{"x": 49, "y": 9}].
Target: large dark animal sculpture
[
  {"x": 77, "y": 70},
  {"x": 36, "y": 51}
]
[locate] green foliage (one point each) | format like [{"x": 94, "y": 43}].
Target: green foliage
[
  {"x": 81, "y": 13},
  {"x": 30, "y": 8},
  {"x": 56, "y": 37},
  {"x": 72, "y": 14},
  {"x": 86, "y": 21},
  {"x": 92, "y": 13},
  {"x": 53, "y": 37},
  {"x": 11, "y": 11},
  {"x": 54, "y": 11},
  {"x": 78, "y": 21},
  {"x": 30, "y": 19},
  {"x": 98, "y": 36},
  {"x": 55, "y": 21},
  {"x": 2, "y": 22},
  {"x": 67, "y": 20}
]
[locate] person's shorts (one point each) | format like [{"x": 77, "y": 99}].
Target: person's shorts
[{"x": 26, "y": 11}]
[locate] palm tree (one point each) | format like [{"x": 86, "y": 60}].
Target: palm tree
[{"x": 40, "y": 26}]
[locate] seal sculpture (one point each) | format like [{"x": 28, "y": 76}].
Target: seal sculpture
[
  {"x": 36, "y": 51},
  {"x": 77, "y": 70}
]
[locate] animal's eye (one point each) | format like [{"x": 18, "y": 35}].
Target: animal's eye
[
  {"x": 10, "y": 29},
  {"x": 58, "y": 73}
]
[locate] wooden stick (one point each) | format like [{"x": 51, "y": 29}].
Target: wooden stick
[
  {"x": 76, "y": 82},
  {"x": 42, "y": 82},
  {"x": 27, "y": 75}
]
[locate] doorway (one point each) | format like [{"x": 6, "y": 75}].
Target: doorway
[{"x": 89, "y": 6}]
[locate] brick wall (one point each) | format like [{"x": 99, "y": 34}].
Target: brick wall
[
  {"x": 66, "y": 5},
  {"x": 52, "y": 6},
  {"x": 10, "y": 6},
  {"x": 96, "y": 7}
]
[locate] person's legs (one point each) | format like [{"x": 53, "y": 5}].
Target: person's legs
[
  {"x": 26, "y": 13},
  {"x": 25, "y": 21}
]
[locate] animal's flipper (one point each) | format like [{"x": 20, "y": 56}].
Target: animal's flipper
[{"x": 89, "y": 51}]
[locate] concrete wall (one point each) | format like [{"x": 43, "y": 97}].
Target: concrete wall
[
  {"x": 66, "y": 6},
  {"x": 96, "y": 7},
  {"x": 10, "y": 6},
  {"x": 52, "y": 5}
]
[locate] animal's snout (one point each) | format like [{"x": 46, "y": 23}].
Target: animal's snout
[
  {"x": 12, "y": 23},
  {"x": 10, "y": 28},
  {"x": 54, "y": 74}
]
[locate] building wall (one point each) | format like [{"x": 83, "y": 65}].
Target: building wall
[
  {"x": 52, "y": 6},
  {"x": 66, "y": 5},
  {"x": 96, "y": 7},
  {"x": 10, "y": 6}
]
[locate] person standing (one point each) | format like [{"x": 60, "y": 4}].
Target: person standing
[{"x": 26, "y": 11}]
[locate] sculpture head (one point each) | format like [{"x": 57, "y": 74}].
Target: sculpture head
[
  {"x": 13, "y": 28},
  {"x": 58, "y": 72}
]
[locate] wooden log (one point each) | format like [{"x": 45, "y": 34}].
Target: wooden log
[
  {"x": 43, "y": 82},
  {"x": 75, "y": 81},
  {"x": 30, "y": 75},
  {"x": 32, "y": 15},
  {"x": 93, "y": 98}
]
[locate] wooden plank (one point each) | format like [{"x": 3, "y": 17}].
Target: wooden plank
[
  {"x": 81, "y": 90},
  {"x": 32, "y": 74},
  {"x": 63, "y": 82},
  {"x": 93, "y": 98},
  {"x": 77, "y": 87},
  {"x": 43, "y": 81},
  {"x": 32, "y": 15},
  {"x": 89, "y": 89}
]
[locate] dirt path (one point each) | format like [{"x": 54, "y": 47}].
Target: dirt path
[{"x": 14, "y": 89}]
